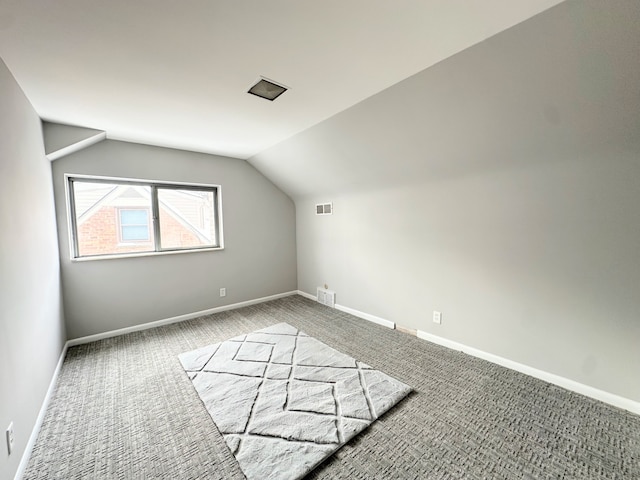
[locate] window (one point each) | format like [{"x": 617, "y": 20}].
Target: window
[
  {"x": 134, "y": 225},
  {"x": 110, "y": 216}
]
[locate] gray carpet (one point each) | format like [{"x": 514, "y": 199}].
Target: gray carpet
[{"x": 124, "y": 408}]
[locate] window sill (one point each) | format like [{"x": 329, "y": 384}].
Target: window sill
[{"x": 143, "y": 254}]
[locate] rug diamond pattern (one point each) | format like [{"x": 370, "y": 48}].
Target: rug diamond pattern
[{"x": 284, "y": 401}]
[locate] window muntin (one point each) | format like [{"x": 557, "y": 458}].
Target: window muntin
[{"x": 113, "y": 217}]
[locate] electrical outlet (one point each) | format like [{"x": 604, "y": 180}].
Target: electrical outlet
[
  {"x": 223, "y": 292},
  {"x": 10, "y": 438},
  {"x": 437, "y": 317}
]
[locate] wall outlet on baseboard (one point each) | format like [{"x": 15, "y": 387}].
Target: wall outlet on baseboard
[
  {"x": 10, "y": 438},
  {"x": 223, "y": 292},
  {"x": 437, "y": 317}
]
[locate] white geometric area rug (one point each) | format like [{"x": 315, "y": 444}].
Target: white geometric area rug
[{"x": 284, "y": 401}]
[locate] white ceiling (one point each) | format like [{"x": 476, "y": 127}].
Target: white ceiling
[{"x": 175, "y": 73}]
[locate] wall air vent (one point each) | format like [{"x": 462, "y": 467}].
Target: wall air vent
[
  {"x": 267, "y": 89},
  {"x": 324, "y": 208},
  {"x": 326, "y": 297}
]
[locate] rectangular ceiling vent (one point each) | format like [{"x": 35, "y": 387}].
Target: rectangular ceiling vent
[
  {"x": 267, "y": 89},
  {"x": 324, "y": 208},
  {"x": 326, "y": 297}
]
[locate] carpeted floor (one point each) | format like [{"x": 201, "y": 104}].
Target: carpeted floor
[{"x": 124, "y": 408}]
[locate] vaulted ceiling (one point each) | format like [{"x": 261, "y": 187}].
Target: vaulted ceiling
[
  {"x": 562, "y": 86},
  {"x": 175, "y": 74}
]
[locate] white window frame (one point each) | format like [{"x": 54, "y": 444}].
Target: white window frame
[{"x": 154, "y": 218}]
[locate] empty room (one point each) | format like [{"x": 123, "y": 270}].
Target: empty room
[{"x": 335, "y": 240}]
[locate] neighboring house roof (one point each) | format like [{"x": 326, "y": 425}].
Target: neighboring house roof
[{"x": 92, "y": 194}]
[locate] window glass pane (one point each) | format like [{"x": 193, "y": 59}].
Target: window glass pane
[
  {"x": 135, "y": 232},
  {"x": 100, "y": 209},
  {"x": 134, "y": 217},
  {"x": 134, "y": 225},
  {"x": 187, "y": 218}
]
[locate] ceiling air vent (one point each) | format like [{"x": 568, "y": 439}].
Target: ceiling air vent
[
  {"x": 324, "y": 208},
  {"x": 267, "y": 89}
]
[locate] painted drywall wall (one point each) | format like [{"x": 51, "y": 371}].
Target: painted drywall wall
[
  {"x": 58, "y": 136},
  {"x": 259, "y": 258},
  {"x": 500, "y": 187},
  {"x": 32, "y": 330}
]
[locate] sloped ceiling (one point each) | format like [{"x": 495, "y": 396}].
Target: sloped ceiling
[
  {"x": 555, "y": 87},
  {"x": 175, "y": 74}
]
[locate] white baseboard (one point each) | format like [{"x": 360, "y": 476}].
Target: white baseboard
[
  {"x": 601, "y": 395},
  {"x": 26, "y": 455},
  {"x": 592, "y": 392},
  {"x": 367, "y": 316},
  {"x": 179, "y": 318},
  {"x": 307, "y": 295},
  {"x": 354, "y": 312}
]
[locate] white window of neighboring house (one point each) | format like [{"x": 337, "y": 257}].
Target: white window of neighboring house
[
  {"x": 134, "y": 225},
  {"x": 115, "y": 217}
]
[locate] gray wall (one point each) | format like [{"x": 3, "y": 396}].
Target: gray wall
[
  {"x": 32, "y": 330},
  {"x": 58, "y": 136},
  {"x": 500, "y": 187},
  {"x": 259, "y": 236}
]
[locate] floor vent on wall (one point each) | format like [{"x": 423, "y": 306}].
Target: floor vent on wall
[
  {"x": 324, "y": 208},
  {"x": 326, "y": 297}
]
